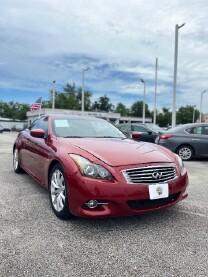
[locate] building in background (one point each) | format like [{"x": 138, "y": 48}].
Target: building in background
[
  {"x": 13, "y": 125},
  {"x": 114, "y": 118},
  {"x": 204, "y": 119}
]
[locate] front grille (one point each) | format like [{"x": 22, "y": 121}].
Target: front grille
[
  {"x": 149, "y": 174},
  {"x": 150, "y": 204}
]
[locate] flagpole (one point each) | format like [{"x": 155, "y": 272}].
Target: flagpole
[{"x": 40, "y": 106}]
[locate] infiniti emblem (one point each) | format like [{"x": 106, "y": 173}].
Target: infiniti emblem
[{"x": 157, "y": 175}]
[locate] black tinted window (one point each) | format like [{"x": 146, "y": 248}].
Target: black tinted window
[
  {"x": 139, "y": 129},
  {"x": 198, "y": 130}
]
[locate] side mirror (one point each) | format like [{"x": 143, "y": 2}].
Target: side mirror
[
  {"x": 136, "y": 135},
  {"x": 37, "y": 133}
]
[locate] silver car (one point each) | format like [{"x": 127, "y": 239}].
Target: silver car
[{"x": 188, "y": 140}]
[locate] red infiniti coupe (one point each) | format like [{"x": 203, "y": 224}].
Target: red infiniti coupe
[{"x": 91, "y": 169}]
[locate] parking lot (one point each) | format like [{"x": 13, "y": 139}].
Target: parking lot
[{"x": 34, "y": 242}]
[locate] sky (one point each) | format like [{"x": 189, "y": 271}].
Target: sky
[{"x": 119, "y": 41}]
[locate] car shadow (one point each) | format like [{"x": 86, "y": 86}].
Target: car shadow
[
  {"x": 165, "y": 217},
  {"x": 205, "y": 159},
  {"x": 156, "y": 219}
]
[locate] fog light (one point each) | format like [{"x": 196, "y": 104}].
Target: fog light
[{"x": 92, "y": 204}]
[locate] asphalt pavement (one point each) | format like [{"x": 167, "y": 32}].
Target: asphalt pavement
[{"x": 34, "y": 242}]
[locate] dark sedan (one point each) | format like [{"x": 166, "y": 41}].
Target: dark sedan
[
  {"x": 148, "y": 131},
  {"x": 1, "y": 129},
  {"x": 188, "y": 140},
  {"x": 92, "y": 170}
]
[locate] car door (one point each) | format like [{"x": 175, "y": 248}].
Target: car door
[
  {"x": 147, "y": 134},
  {"x": 199, "y": 139},
  {"x": 38, "y": 152}
]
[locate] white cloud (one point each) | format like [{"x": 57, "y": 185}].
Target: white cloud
[{"x": 119, "y": 40}]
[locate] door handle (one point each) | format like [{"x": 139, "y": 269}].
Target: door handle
[{"x": 195, "y": 139}]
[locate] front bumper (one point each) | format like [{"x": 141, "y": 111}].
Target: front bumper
[{"x": 119, "y": 198}]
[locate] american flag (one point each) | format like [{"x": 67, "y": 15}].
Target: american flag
[{"x": 36, "y": 105}]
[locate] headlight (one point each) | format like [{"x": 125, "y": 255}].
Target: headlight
[
  {"x": 89, "y": 169},
  {"x": 180, "y": 161}
]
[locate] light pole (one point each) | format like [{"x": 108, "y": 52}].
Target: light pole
[
  {"x": 143, "y": 120},
  {"x": 53, "y": 96},
  {"x": 194, "y": 106},
  {"x": 83, "y": 72},
  {"x": 175, "y": 74},
  {"x": 200, "y": 119},
  {"x": 155, "y": 110}
]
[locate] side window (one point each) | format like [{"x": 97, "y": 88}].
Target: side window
[
  {"x": 35, "y": 125},
  {"x": 123, "y": 128},
  {"x": 140, "y": 129},
  {"x": 44, "y": 124},
  {"x": 205, "y": 130},
  {"x": 40, "y": 123},
  {"x": 190, "y": 130},
  {"x": 199, "y": 130},
  {"x": 196, "y": 130}
]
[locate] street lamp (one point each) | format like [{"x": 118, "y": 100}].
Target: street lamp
[
  {"x": 200, "y": 119},
  {"x": 53, "y": 95},
  {"x": 143, "y": 120},
  {"x": 175, "y": 74},
  {"x": 83, "y": 72},
  {"x": 194, "y": 106},
  {"x": 155, "y": 110}
]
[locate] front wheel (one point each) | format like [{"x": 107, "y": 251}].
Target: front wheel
[
  {"x": 185, "y": 152},
  {"x": 16, "y": 165},
  {"x": 58, "y": 193}
]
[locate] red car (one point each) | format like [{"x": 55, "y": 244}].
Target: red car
[{"x": 91, "y": 169}]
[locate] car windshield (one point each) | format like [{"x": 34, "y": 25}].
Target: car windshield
[{"x": 75, "y": 127}]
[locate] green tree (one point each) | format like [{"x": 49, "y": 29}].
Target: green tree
[
  {"x": 21, "y": 111},
  {"x": 121, "y": 108},
  {"x": 103, "y": 104},
  {"x": 70, "y": 98},
  {"x": 164, "y": 118},
  {"x": 87, "y": 99},
  {"x": 13, "y": 110},
  {"x": 185, "y": 115},
  {"x": 137, "y": 110}
]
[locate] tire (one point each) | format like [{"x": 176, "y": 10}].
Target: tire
[
  {"x": 16, "y": 165},
  {"x": 58, "y": 193},
  {"x": 185, "y": 152}
]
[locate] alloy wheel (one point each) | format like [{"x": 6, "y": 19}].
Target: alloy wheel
[
  {"x": 58, "y": 190},
  {"x": 185, "y": 153},
  {"x": 15, "y": 159}
]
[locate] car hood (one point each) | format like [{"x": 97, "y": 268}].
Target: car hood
[{"x": 119, "y": 152}]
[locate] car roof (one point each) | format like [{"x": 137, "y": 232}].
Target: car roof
[
  {"x": 65, "y": 115},
  {"x": 186, "y": 126},
  {"x": 139, "y": 124}
]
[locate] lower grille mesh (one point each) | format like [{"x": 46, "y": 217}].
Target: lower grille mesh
[{"x": 148, "y": 204}]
